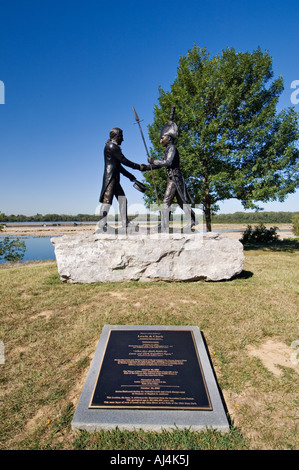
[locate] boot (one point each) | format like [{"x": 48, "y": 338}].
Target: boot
[
  {"x": 165, "y": 216},
  {"x": 102, "y": 223}
]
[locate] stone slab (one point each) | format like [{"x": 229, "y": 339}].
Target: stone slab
[
  {"x": 88, "y": 258},
  {"x": 147, "y": 415}
]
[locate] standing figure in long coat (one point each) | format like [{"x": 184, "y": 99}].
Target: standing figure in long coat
[
  {"x": 114, "y": 159},
  {"x": 176, "y": 186}
]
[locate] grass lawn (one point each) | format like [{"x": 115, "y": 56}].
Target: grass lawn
[{"x": 250, "y": 324}]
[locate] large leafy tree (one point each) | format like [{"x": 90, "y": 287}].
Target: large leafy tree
[{"x": 232, "y": 141}]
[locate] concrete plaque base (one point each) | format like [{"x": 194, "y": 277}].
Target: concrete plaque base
[{"x": 151, "y": 378}]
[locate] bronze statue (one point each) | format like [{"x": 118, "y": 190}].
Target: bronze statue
[
  {"x": 114, "y": 159},
  {"x": 176, "y": 186}
]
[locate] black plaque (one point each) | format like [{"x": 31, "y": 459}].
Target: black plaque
[{"x": 151, "y": 369}]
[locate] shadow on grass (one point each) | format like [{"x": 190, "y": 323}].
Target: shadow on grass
[
  {"x": 287, "y": 245},
  {"x": 244, "y": 275}
]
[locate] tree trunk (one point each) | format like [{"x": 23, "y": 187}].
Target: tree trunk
[
  {"x": 207, "y": 207},
  {"x": 208, "y": 218}
]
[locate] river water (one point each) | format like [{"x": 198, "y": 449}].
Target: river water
[{"x": 37, "y": 248}]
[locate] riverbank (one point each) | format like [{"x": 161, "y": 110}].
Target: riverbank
[
  {"x": 46, "y": 229},
  {"x": 67, "y": 228}
]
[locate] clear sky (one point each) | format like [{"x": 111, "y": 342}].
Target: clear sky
[{"x": 73, "y": 69}]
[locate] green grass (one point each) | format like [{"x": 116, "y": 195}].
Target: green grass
[{"x": 50, "y": 331}]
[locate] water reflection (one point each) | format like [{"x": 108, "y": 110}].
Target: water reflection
[
  {"x": 26, "y": 249},
  {"x": 11, "y": 249}
]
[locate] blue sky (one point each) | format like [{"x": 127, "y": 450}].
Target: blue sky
[{"x": 72, "y": 70}]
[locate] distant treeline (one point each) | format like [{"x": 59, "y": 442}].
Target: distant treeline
[
  {"x": 235, "y": 218},
  {"x": 48, "y": 218},
  {"x": 254, "y": 218}
]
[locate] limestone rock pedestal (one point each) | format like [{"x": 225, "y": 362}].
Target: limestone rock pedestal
[{"x": 89, "y": 258}]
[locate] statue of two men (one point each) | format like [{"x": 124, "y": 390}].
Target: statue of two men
[{"x": 114, "y": 161}]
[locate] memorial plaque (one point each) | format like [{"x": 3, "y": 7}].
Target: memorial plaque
[
  {"x": 150, "y": 377},
  {"x": 151, "y": 369}
]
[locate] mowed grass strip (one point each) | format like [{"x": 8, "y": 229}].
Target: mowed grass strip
[{"x": 50, "y": 331}]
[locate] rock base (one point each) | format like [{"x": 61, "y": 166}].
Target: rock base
[{"x": 89, "y": 258}]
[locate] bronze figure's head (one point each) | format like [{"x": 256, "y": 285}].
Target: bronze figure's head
[
  {"x": 171, "y": 130},
  {"x": 165, "y": 139},
  {"x": 116, "y": 134}
]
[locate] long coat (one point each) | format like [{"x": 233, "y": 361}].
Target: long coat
[
  {"x": 113, "y": 159},
  {"x": 171, "y": 161}
]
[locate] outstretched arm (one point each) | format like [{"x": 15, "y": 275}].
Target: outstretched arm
[
  {"x": 165, "y": 163},
  {"x": 119, "y": 156},
  {"x": 126, "y": 173}
]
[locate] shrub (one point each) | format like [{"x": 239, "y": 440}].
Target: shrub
[
  {"x": 260, "y": 234},
  {"x": 295, "y": 222}
]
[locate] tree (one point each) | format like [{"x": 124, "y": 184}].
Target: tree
[{"x": 232, "y": 142}]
